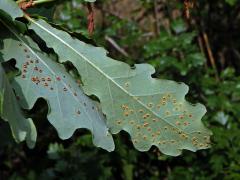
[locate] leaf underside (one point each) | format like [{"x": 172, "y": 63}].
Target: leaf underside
[
  {"x": 154, "y": 112},
  {"x": 22, "y": 128},
  {"x": 70, "y": 108}
]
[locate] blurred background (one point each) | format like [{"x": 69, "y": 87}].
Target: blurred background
[{"x": 202, "y": 51}]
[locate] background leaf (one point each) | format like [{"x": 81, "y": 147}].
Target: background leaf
[
  {"x": 22, "y": 128},
  {"x": 11, "y": 8}
]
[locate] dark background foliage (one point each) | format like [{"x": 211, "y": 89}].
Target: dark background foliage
[{"x": 203, "y": 52}]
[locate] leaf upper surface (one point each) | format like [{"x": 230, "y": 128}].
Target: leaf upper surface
[
  {"x": 152, "y": 111},
  {"x": 70, "y": 108}
]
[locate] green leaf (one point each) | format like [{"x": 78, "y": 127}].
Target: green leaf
[
  {"x": 178, "y": 26},
  {"x": 11, "y": 8},
  {"x": 70, "y": 108},
  {"x": 22, "y": 128},
  {"x": 231, "y": 2},
  {"x": 152, "y": 111},
  {"x": 89, "y": 0}
]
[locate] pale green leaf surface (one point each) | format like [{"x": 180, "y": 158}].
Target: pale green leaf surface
[
  {"x": 70, "y": 108},
  {"x": 22, "y": 128},
  {"x": 152, "y": 111},
  {"x": 11, "y": 8}
]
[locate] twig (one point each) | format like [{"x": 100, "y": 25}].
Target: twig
[
  {"x": 204, "y": 40},
  {"x": 156, "y": 17},
  {"x": 148, "y": 34},
  {"x": 90, "y": 19},
  {"x": 116, "y": 46},
  {"x": 210, "y": 55},
  {"x": 24, "y": 4},
  {"x": 188, "y": 4},
  {"x": 113, "y": 14},
  {"x": 200, "y": 43},
  {"x": 222, "y": 58},
  {"x": 41, "y": 2}
]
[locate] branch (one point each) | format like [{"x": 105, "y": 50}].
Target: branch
[
  {"x": 116, "y": 46},
  {"x": 210, "y": 54}
]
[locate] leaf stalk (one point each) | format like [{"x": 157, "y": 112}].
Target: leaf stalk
[
  {"x": 35, "y": 2},
  {"x": 42, "y": 1}
]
